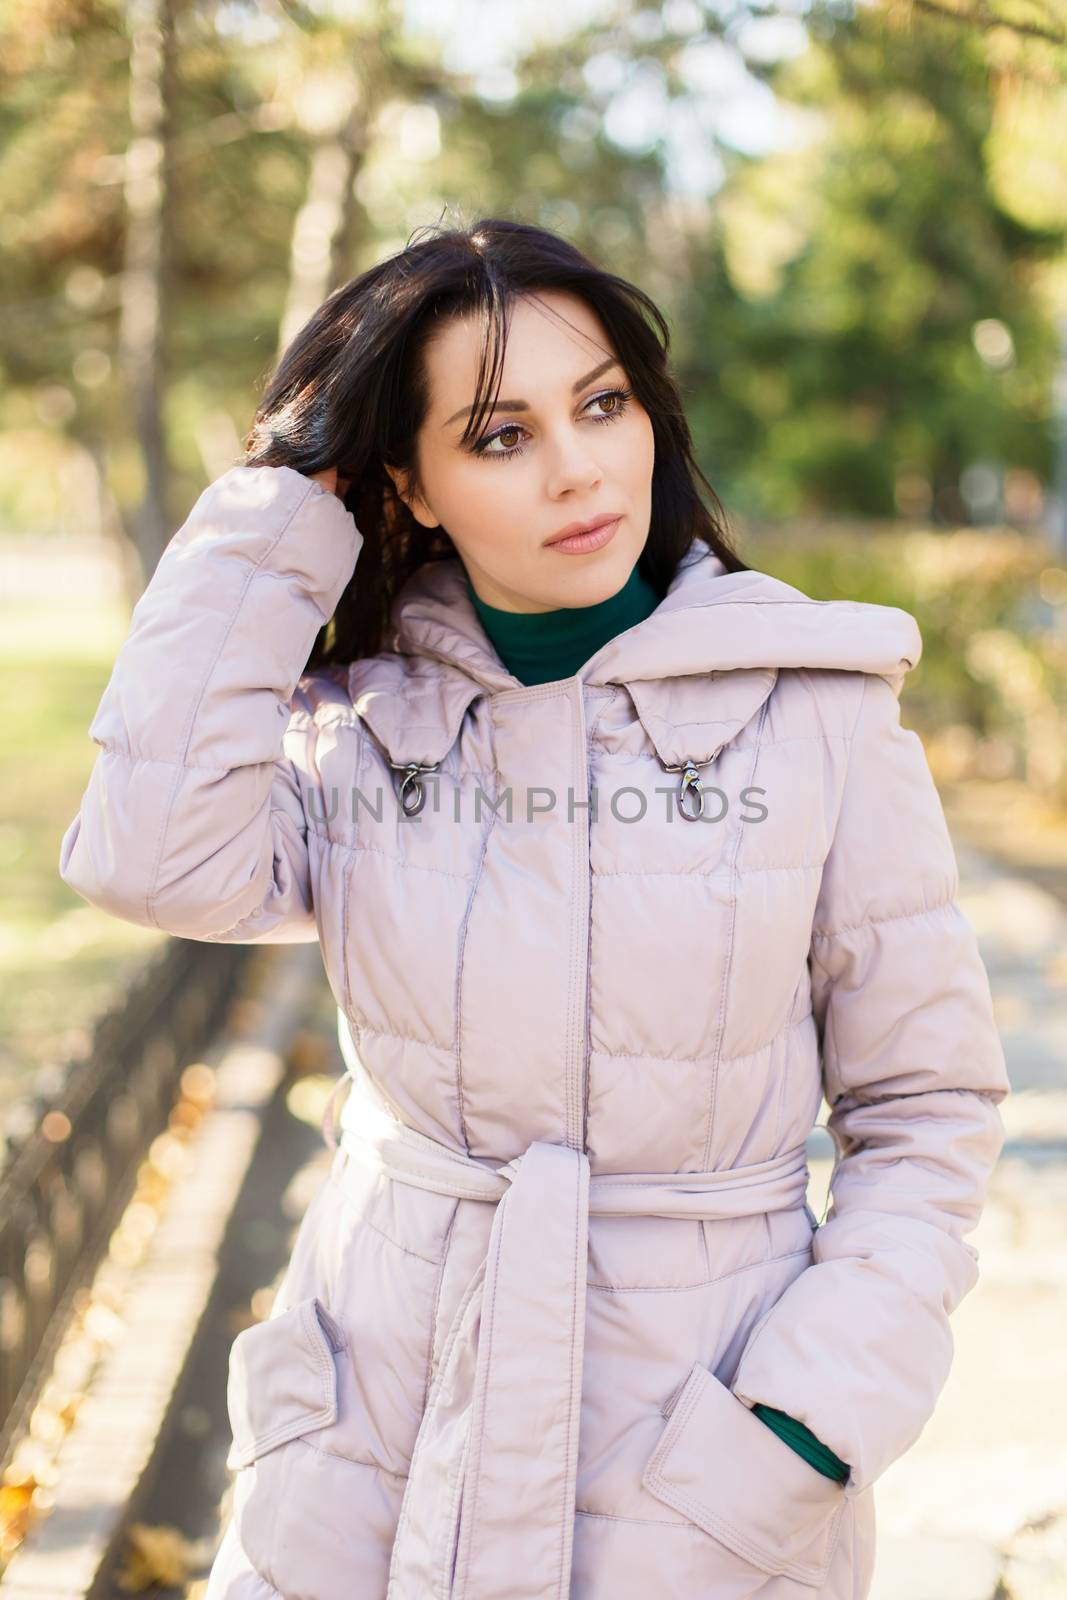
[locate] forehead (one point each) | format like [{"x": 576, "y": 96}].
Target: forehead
[{"x": 552, "y": 338}]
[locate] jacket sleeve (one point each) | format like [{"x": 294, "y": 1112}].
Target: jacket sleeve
[
  {"x": 192, "y": 820},
  {"x": 859, "y": 1346}
]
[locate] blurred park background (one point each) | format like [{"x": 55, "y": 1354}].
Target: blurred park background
[{"x": 855, "y": 219}]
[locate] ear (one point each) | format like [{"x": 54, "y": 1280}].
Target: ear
[{"x": 414, "y": 502}]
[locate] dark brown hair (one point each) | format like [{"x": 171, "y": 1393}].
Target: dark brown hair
[{"x": 350, "y": 392}]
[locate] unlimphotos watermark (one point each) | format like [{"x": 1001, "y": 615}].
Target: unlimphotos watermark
[{"x": 625, "y": 804}]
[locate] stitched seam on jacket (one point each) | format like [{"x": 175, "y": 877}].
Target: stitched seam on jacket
[
  {"x": 423, "y": 1433},
  {"x": 727, "y": 962},
  {"x": 250, "y": 916},
  {"x": 948, "y": 903},
  {"x": 313, "y": 1336},
  {"x": 738, "y": 745},
  {"x": 365, "y": 1219},
  {"x": 438, "y": 1284},
  {"x": 701, "y": 1057},
  {"x": 449, "y": 1520},
  {"x": 254, "y": 569},
  {"x": 747, "y": 1055},
  {"x": 346, "y": 894},
  {"x": 561, "y": 1586},
  {"x": 683, "y": 1288},
  {"x": 487, "y": 1330},
  {"x": 579, "y": 875},
  {"x": 372, "y": 850},
  {"x": 782, "y": 866},
  {"x": 151, "y": 892},
  {"x": 460, "y": 974},
  {"x": 788, "y": 738},
  {"x": 346, "y": 981},
  {"x": 800, "y": 600},
  {"x": 110, "y": 748},
  {"x": 752, "y": 1550},
  {"x": 559, "y": 689},
  {"x": 784, "y": 1085},
  {"x": 800, "y": 1571},
  {"x": 860, "y": 698},
  {"x": 412, "y": 1038},
  {"x": 351, "y": 1461},
  {"x": 651, "y": 1522},
  {"x": 994, "y": 1096},
  {"x": 716, "y": 872},
  {"x": 577, "y": 1016},
  {"x": 587, "y": 1039}
]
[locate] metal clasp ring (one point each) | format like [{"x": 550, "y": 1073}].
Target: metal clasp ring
[
  {"x": 411, "y": 784},
  {"x": 690, "y": 783}
]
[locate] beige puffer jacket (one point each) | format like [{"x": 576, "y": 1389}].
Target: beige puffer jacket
[{"x": 564, "y": 1244}]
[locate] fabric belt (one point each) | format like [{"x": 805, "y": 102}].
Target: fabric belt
[{"x": 489, "y": 1505}]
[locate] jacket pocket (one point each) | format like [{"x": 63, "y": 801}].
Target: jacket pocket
[
  {"x": 311, "y": 1517},
  {"x": 282, "y": 1379},
  {"x": 727, "y": 1472}
]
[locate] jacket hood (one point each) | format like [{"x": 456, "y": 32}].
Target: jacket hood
[{"x": 738, "y": 627}]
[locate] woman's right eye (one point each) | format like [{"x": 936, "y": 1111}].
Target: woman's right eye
[{"x": 482, "y": 448}]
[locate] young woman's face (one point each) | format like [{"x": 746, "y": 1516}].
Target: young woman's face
[{"x": 567, "y": 443}]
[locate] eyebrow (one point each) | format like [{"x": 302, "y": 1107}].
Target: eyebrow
[{"x": 524, "y": 405}]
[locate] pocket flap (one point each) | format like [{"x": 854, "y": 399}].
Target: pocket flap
[
  {"x": 727, "y": 1471},
  {"x": 282, "y": 1379}
]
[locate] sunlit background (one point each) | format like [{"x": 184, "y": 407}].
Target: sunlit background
[{"x": 854, "y": 217}]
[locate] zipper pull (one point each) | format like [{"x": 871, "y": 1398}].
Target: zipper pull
[{"x": 411, "y": 786}]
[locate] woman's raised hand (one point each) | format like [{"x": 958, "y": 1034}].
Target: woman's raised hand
[{"x": 329, "y": 480}]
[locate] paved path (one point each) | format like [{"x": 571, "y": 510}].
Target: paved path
[{"x": 977, "y": 1509}]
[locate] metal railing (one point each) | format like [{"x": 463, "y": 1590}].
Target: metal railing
[{"x": 65, "y": 1183}]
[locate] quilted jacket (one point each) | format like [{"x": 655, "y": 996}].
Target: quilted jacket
[{"x": 600, "y": 949}]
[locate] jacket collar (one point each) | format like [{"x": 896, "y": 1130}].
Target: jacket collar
[{"x": 737, "y": 628}]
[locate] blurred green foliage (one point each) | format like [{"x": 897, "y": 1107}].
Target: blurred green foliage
[
  {"x": 858, "y": 312},
  {"x": 989, "y": 694}
]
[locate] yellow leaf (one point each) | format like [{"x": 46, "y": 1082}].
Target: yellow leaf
[{"x": 155, "y": 1555}]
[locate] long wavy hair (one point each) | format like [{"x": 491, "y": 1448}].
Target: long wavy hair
[{"x": 350, "y": 391}]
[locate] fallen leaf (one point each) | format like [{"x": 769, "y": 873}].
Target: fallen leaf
[{"x": 155, "y": 1554}]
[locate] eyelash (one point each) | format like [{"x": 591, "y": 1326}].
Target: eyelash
[{"x": 481, "y": 448}]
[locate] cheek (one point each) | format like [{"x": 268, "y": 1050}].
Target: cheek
[
  {"x": 637, "y": 454},
  {"x": 475, "y": 501},
  {"x": 469, "y": 490}
]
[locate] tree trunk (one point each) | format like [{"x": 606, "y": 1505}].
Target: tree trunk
[
  {"x": 143, "y": 313},
  {"x": 325, "y": 226}
]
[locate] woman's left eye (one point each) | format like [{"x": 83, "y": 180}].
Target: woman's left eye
[{"x": 482, "y": 447}]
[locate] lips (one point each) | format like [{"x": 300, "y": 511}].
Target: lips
[
  {"x": 580, "y": 544},
  {"x": 576, "y": 528}
]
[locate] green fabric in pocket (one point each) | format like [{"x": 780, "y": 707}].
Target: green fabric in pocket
[{"x": 803, "y": 1441}]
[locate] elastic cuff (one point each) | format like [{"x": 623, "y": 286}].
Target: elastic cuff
[{"x": 803, "y": 1441}]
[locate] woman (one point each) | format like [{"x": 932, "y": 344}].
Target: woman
[{"x": 560, "y": 1320}]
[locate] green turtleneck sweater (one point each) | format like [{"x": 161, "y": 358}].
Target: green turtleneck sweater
[{"x": 540, "y": 647}]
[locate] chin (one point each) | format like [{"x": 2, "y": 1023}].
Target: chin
[{"x": 598, "y": 576}]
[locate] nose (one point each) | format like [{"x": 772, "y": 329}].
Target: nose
[{"x": 574, "y": 464}]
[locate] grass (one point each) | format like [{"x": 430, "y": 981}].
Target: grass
[{"x": 61, "y": 960}]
